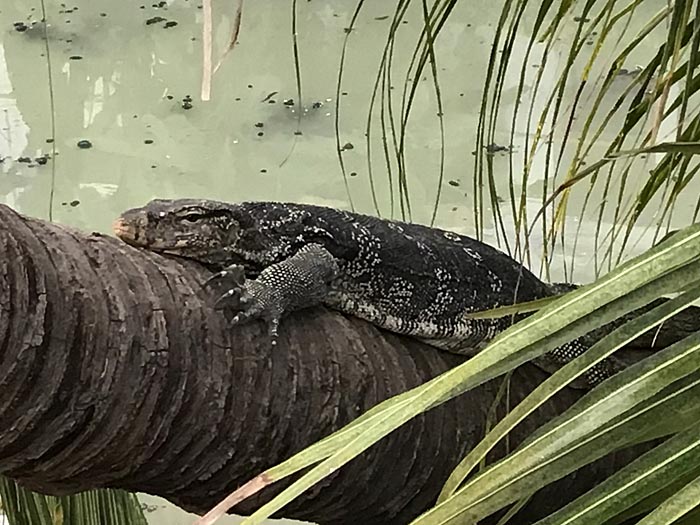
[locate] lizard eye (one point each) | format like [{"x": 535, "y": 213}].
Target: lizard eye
[{"x": 193, "y": 217}]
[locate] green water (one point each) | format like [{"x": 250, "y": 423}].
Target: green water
[
  {"x": 131, "y": 89},
  {"x": 119, "y": 83}
]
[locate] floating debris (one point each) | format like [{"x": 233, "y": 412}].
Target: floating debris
[
  {"x": 493, "y": 148},
  {"x": 453, "y": 183},
  {"x": 84, "y": 144},
  {"x": 269, "y": 96},
  {"x": 155, "y": 20},
  {"x": 347, "y": 146}
]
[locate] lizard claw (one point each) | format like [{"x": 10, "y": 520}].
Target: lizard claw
[
  {"x": 272, "y": 322},
  {"x": 253, "y": 311},
  {"x": 233, "y": 276},
  {"x": 232, "y": 280},
  {"x": 272, "y": 326},
  {"x": 233, "y": 298},
  {"x": 246, "y": 301}
]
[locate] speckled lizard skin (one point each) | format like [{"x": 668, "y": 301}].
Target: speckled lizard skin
[{"x": 410, "y": 279}]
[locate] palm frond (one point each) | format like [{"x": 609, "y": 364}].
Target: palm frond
[{"x": 106, "y": 507}]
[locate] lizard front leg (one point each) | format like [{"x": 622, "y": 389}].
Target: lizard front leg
[{"x": 297, "y": 282}]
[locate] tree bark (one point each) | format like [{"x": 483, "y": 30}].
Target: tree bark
[{"x": 116, "y": 372}]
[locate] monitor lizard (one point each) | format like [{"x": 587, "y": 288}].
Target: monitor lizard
[{"x": 274, "y": 257}]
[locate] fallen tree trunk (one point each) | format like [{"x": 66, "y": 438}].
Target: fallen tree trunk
[{"x": 116, "y": 372}]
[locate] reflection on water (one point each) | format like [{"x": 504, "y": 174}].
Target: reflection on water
[{"x": 130, "y": 125}]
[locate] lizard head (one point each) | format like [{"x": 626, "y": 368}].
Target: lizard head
[{"x": 197, "y": 229}]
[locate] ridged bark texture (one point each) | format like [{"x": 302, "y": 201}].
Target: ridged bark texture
[{"x": 116, "y": 372}]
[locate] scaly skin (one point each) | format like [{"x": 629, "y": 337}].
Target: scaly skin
[{"x": 406, "y": 278}]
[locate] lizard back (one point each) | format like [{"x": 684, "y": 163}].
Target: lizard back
[{"x": 407, "y": 278}]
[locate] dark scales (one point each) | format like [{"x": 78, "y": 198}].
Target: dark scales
[{"x": 406, "y": 278}]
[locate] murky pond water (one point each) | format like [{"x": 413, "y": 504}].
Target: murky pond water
[
  {"x": 126, "y": 83},
  {"x": 130, "y": 124}
]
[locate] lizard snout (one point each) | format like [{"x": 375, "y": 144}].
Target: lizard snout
[{"x": 126, "y": 231}]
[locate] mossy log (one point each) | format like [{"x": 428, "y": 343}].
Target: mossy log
[{"x": 115, "y": 371}]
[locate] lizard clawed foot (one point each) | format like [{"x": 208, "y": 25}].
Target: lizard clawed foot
[
  {"x": 252, "y": 305},
  {"x": 299, "y": 281},
  {"x": 230, "y": 280},
  {"x": 246, "y": 300}
]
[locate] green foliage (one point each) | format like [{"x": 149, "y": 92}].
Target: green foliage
[
  {"x": 575, "y": 121},
  {"x": 106, "y": 507}
]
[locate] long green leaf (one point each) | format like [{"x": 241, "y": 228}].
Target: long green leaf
[
  {"x": 643, "y": 477},
  {"x": 676, "y": 506},
  {"x": 614, "y": 341},
  {"x": 582, "y": 435}
]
